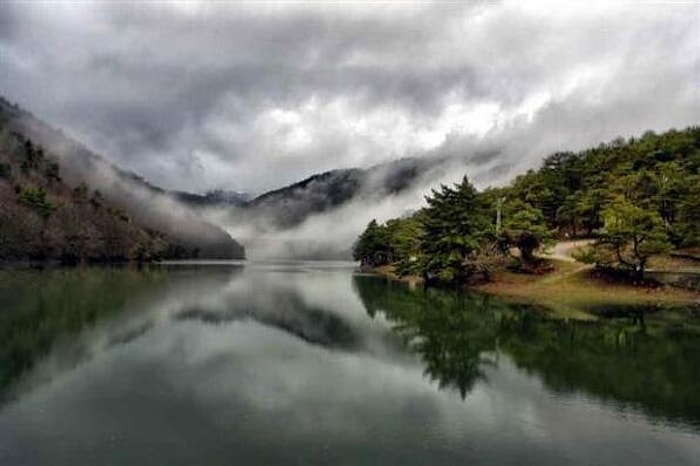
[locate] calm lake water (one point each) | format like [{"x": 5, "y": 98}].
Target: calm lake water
[{"x": 312, "y": 363}]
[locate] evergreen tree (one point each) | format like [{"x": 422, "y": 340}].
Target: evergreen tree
[
  {"x": 373, "y": 246},
  {"x": 455, "y": 224},
  {"x": 526, "y": 229},
  {"x": 630, "y": 236}
]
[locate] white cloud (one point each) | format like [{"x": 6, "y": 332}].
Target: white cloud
[{"x": 253, "y": 96}]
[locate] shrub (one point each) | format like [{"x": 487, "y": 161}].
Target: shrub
[
  {"x": 36, "y": 198},
  {"x": 584, "y": 254}
]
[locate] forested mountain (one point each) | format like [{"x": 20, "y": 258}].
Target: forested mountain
[
  {"x": 56, "y": 178},
  {"x": 214, "y": 198},
  {"x": 291, "y": 205},
  {"x": 656, "y": 171},
  {"x": 637, "y": 197},
  {"x": 41, "y": 217}
]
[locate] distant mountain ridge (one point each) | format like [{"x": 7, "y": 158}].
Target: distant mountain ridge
[
  {"x": 181, "y": 215},
  {"x": 216, "y": 197},
  {"x": 291, "y": 205}
]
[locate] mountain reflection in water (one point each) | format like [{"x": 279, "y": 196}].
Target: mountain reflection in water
[{"x": 311, "y": 363}]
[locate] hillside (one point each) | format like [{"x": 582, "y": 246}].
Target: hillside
[
  {"x": 42, "y": 218},
  {"x": 637, "y": 198},
  {"x": 289, "y": 206},
  {"x": 151, "y": 208},
  {"x": 320, "y": 193}
]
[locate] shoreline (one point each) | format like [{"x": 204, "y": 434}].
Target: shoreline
[{"x": 570, "y": 289}]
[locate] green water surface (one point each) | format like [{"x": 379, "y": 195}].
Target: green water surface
[{"x": 314, "y": 363}]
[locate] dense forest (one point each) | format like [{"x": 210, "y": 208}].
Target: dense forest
[{"x": 636, "y": 197}]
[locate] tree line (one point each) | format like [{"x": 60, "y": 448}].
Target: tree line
[{"x": 636, "y": 197}]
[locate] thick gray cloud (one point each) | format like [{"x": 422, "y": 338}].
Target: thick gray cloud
[{"x": 252, "y": 96}]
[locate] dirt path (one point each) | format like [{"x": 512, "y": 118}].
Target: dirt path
[{"x": 562, "y": 250}]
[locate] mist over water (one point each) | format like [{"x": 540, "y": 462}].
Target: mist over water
[
  {"x": 276, "y": 131},
  {"x": 330, "y": 234},
  {"x": 310, "y": 362}
]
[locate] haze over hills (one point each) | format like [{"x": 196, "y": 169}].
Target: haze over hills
[
  {"x": 213, "y": 198},
  {"x": 222, "y": 96},
  {"x": 151, "y": 208},
  {"x": 195, "y": 221},
  {"x": 316, "y": 218},
  {"x": 291, "y": 205},
  {"x": 275, "y": 222},
  {"x": 43, "y": 218}
]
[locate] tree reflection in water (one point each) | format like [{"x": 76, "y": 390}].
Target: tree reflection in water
[
  {"x": 40, "y": 309},
  {"x": 621, "y": 358}
]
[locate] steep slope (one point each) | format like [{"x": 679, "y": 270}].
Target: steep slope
[
  {"x": 42, "y": 218},
  {"x": 148, "y": 206}
]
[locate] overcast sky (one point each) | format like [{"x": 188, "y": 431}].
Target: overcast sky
[{"x": 257, "y": 95}]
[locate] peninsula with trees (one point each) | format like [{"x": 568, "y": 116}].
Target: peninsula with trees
[{"x": 585, "y": 226}]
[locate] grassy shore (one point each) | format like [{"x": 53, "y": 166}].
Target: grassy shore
[{"x": 570, "y": 289}]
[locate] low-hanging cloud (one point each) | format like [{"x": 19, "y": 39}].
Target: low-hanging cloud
[{"x": 254, "y": 96}]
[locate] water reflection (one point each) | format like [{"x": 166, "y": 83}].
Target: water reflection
[
  {"x": 281, "y": 363},
  {"x": 650, "y": 363},
  {"x": 55, "y": 319},
  {"x": 50, "y": 313}
]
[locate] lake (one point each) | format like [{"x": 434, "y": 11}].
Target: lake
[{"x": 314, "y": 363}]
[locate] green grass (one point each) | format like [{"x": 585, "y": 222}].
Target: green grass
[{"x": 572, "y": 290}]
